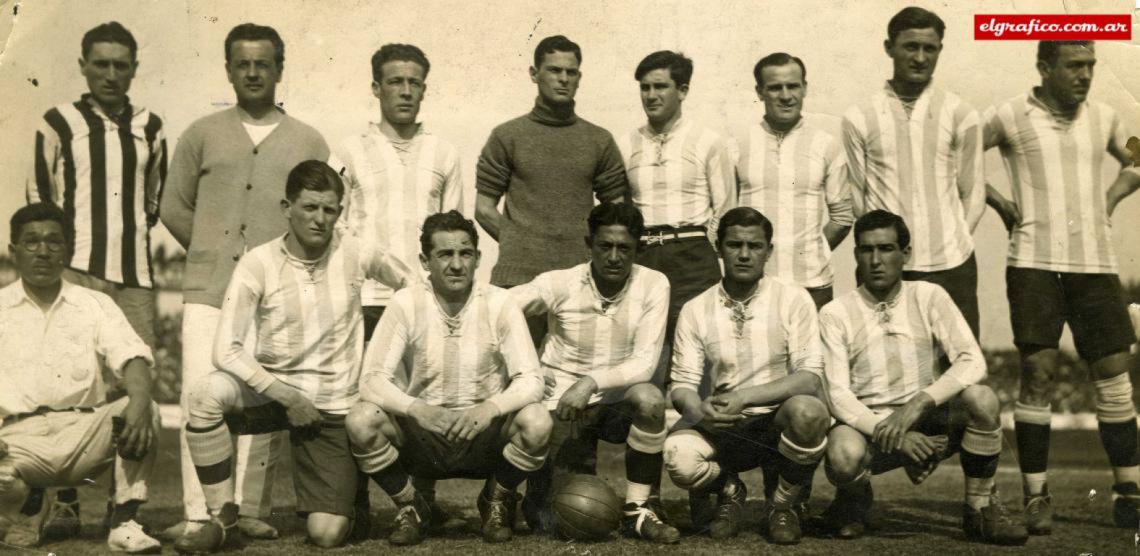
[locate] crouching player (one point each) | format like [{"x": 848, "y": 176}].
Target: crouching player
[
  {"x": 760, "y": 339},
  {"x": 451, "y": 388},
  {"x": 300, "y": 294},
  {"x": 882, "y": 346},
  {"x": 57, "y": 339},
  {"x": 607, "y": 324}
]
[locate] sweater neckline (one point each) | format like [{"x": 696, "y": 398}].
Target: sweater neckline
[{"x": 557, "y": 116}]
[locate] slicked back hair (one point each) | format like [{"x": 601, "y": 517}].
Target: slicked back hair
[
  {"x": 313, "y": 175},
  {"x": 621, "y": 214},
  {"x": 396, "y": 52},
  {"x": 254, "y": 32},
  {"x": 879, "y": 219},
  {"x": 1049, "y": 51},
  {"x": 112, "y": 32},
  {"x": 774, "y": 60},
  {"x": 914, "y": 17},
  {"x": 450, "y": 221},
  {"x": 742, "y": 216},
  {"x": 555, "y": 43},
  {"x": 680, "y": 68}
]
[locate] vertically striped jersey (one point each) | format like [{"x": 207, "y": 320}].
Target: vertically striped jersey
[
  {"x": 925, "y": 166},
  {"x": 747, "y": 343},
  {"x": 798, "y": 179},
  {"x": 482, "y": 354},
  {"x": 880, "y": 354},
  {"x": 107, "y": 176},
  {"x": 616, "y": 341},
  {"x": 307, "y": 317},
  {"x": 683, "y": 177},
  {"x": 392, "y": 187},
  {"x": 1054, "y": 169}
]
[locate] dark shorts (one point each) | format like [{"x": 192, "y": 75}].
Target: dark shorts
[
  {"x": 821, "y": 296},
  {"x": 949, "y": 419},
  {"x": 325, "y": 477},
  {"x": 691, "y": 265},
  {"x": 573, "y": 444},
  {"x": 961, "y": 282},
  {"x": 1042, "y": 301},
  {"x": 750, "y": 443},
  {"x": 372, "y": 314},
  {"x": 429, "y": 455}
]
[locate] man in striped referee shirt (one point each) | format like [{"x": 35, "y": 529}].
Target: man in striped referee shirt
[
  {"x": 882, "y": 345},
  {"x": 102, "y": 160},
  {"x": 916, "y": 150},
  {"x": 451, "y": 388},
  {"x": 796, "y": 173},
  {"x": 607, "y": 325},
  {"x": 681, "y": 177},
  {"x": 1061, "y": 265},
  {"x": 299, "y": 296},
  {"x": 759, "y": 339}
]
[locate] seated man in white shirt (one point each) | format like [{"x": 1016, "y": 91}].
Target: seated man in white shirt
[
  {"x": 299, "y": 296},
  {"x": 451, "y": 388},
  {"x": 57, "y": 339},
  {"x": 759, "y": 339},
  {"x": 607, "y": 323},
  {"x": 893, "y": 404}
]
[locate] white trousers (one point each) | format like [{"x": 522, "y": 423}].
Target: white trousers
[{"x": 256, "y": 455}]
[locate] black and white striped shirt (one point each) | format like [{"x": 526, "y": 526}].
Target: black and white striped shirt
[{"x": 107, "y": 175}]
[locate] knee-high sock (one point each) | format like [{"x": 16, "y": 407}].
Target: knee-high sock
[
  {"x": 212, "y": 451},
  {"x": 797, "y": 465},
  {"x": 1116, "y": 419},
  {"x": 516, "y": 465},
  {"x": 382, "y": 465},
  {"x": 980, "y": 450},
  {"x": 643, "y": 460},
  {"x": 1032, "y": 425}
]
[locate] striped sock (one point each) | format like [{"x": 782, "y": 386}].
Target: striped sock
[{"x": 212, "y": 451}]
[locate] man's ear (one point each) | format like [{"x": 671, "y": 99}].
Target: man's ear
[
  {"x": 906, "y": 254},
  {"x": 424, "y": 263},
  {"x": 285, "y": 204},
  {"x": 534, "y": 74}
]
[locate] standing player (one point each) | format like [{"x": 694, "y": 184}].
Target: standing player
[
  {"x": 299, "y": 296},
  {"x": 397, "y": 174},
  {"x": 680, "y": 176},
  {"x": 608, "y": 325},
  {"x": 882, "y": 344},
  {"x": 759, "y": 338},
  {"x": 796, "y": 173},
  {"x": 1062, "y": 267},
  {"x": 58, "y": 339},
  {"x": 546, "y": 163},
  {"x": 916, "y": 151},
  {"x": 103, "y": 160},
  {"x": 451, "y": 388},
  {"x": 224, "y": 186}
]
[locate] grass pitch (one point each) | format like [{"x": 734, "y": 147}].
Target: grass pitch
[{"x": 919, "y": 520}]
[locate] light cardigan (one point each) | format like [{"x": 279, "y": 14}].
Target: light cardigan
[{"x": 223, "y": 195}]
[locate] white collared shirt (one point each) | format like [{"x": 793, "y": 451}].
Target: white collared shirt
[{"x": 56, "y": 359}]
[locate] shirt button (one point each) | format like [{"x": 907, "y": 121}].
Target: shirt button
[
  {"x": 236, "y": 257},
  {"x": 248, "y": 186}
]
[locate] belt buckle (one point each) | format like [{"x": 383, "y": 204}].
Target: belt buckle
[{"x": 658, "y": 238}]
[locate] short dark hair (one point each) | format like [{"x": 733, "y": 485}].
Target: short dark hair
[
  {"x": 39, "y": 212},
  {"x": 313, "y": 175},
  {"x": 742, "y": 216},
  {"x": 556, "y": 43},
  {"x": 112, "y": 31},
  {"x": 398, "y": 52},
  {"x": 450, "y": 221},
  {"x": 914, "y": 17},
  {"x": 879, "y": 219},
  {"x": 777, "y": 59},
  {"x": 680, "y": 68},
  {"x": 620, "y": 214},
  {"x": 1049, "y": 51},
  {"x": 254, "y": 32}
]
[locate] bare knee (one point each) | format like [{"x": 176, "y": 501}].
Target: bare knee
[
  {"x": 534, "y": 426},
  {"x": 327, "y": 530},
  {"x": 846, "y": 456},
  {"x": 647, "y": 401},
  {"x": 982, "y": 404},
  {"x": 807, "y": 419},
  {"x": 364, "y": 423}
]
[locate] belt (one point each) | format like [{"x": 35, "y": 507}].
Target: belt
[
  {"x": 43, "y": 410},
  {"x": 661, "y": 235}
]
